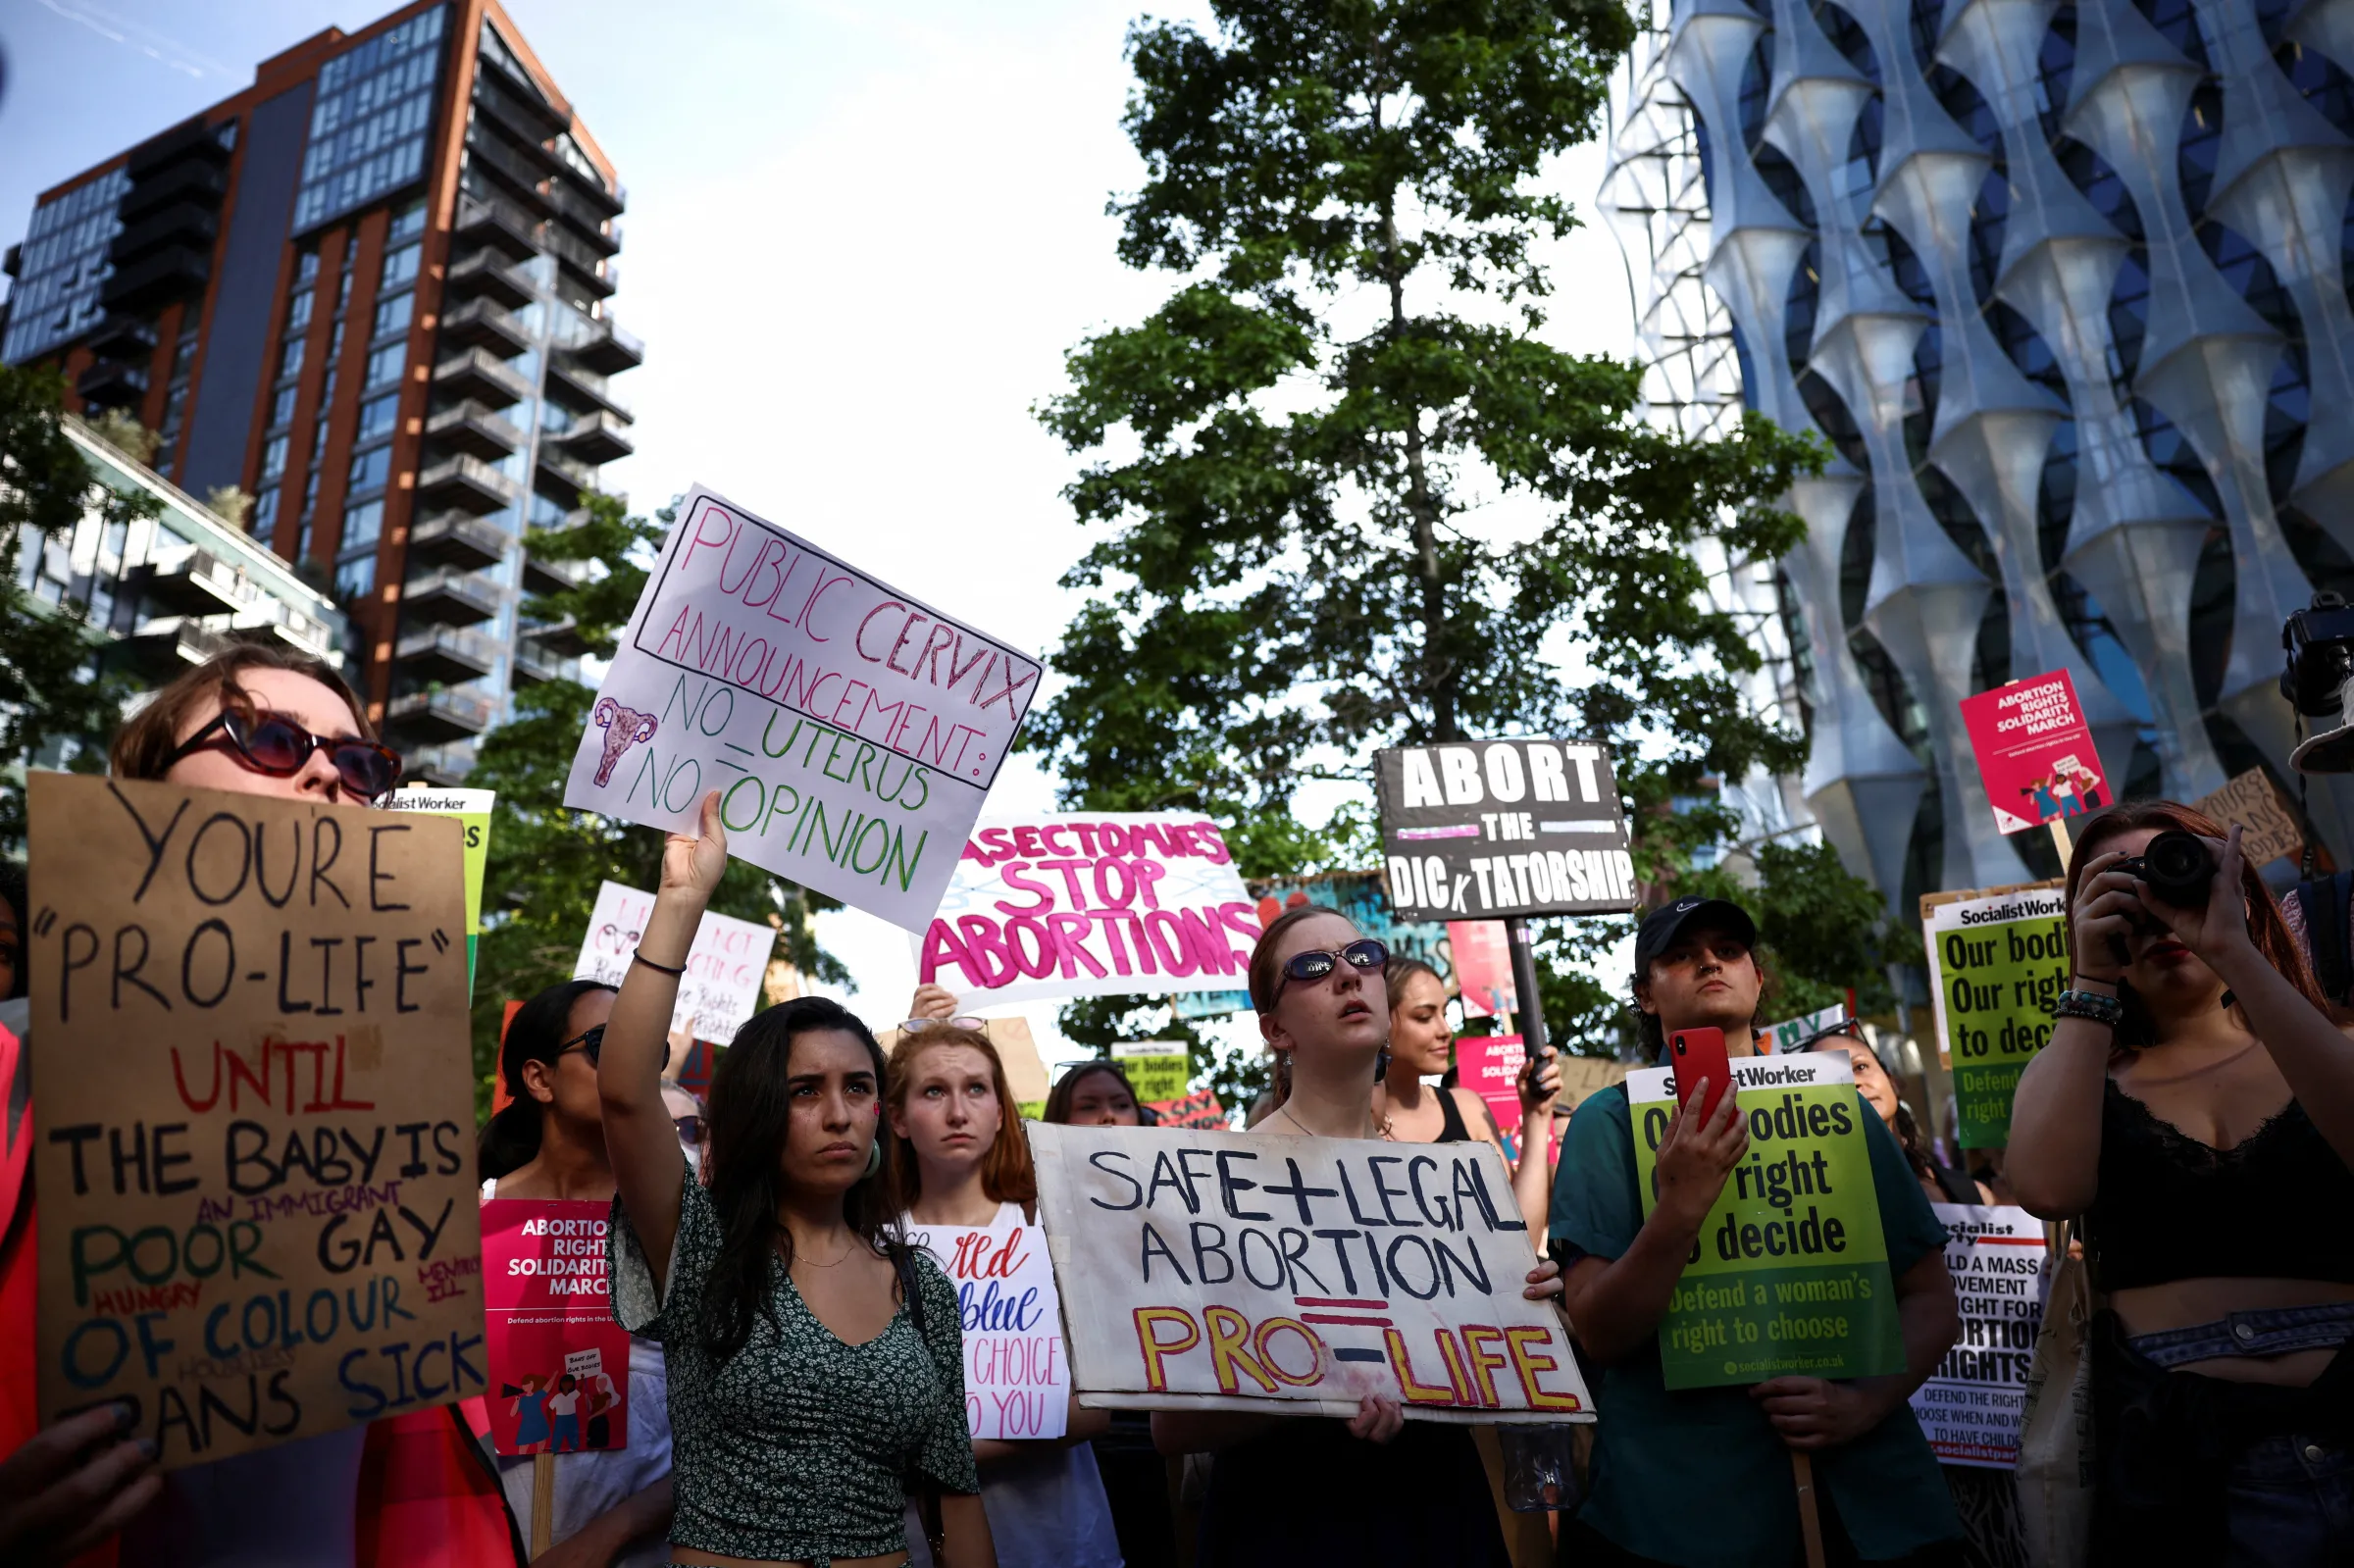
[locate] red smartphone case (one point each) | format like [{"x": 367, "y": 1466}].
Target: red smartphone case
[{"x": 1695, "y": 1055}]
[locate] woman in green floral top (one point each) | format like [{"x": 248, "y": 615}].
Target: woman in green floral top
[{"x": 807, "y": 1395}]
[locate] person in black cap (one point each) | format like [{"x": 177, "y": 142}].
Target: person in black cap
[{"x": 1881, "y": 1497}]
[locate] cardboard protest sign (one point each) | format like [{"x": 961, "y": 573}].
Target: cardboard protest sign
[
  {"x": 1790, "y": 1273},
  {"x": 1017, "y": 1375},
  {"x": 1092, "y": 904},
  {"x": 559, "y": 1364},
  {"x": 1997, "y": 961},
  {"x": 2035, "y": 752},
  {"x": 724, "y": 966},
  {"x": 1492, "y": 829},
  {"x": 1483, "y": 967},
  {"x": 1206, "y": 1271},
  {"x": 472, "y": 808},
  {"x": 1158, "y": 1070},
  {"x": 2268, "y": 827},
  {"x": 1199, "y": 1109},
  {"x": 1489, "y": 1066},
  {"x": 1972, "y": 1406},
  {"x": 851, "y": 731},
  {"x": 252, "y": 1088}
]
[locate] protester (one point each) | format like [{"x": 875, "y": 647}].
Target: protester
[
  {"x": 1942, "y": 1182},
  {"x": 2196, "y": 1105},
  {"x": 816, "y": 1363},
  {"x": 1097, "y": 1095},
  {"x": 687, "y": 1115},
  {"x": 611, "y": 1505},
  {"x": 1422, "y": 1045},
  {"x": 1375, "y": 1489},
  {"x": 958, "y": 1159},
  {"x": 1704, "y": 1476}
]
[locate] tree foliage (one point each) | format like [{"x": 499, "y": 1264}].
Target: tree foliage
[
  {"x": 55, "y": 694},
  {"x": 1346, "y": 494},
  {"x": 545, "y": 860}
]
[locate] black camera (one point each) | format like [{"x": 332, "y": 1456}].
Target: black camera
[
  {"x": 2320, "y": 644},
  {"x": 2179, "y": 866}
]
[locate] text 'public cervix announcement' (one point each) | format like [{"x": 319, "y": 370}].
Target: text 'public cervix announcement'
[
  {"x": 1486, "y": 830},
  {"x": 253, "y": 1113},
  {"x": 851, "y": 731}
]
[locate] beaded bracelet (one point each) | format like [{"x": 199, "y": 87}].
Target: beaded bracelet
[{"x": 2092, "y": 1005}]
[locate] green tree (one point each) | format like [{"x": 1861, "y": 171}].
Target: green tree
[
  {"x": 545, "y": 860},
  {"x": 1347, "y": 493},
  {"x": 55, "y": 696}
]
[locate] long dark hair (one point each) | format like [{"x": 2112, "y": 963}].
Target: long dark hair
[
  {"x": 2266, "y": 927},
  {"x": 751, "y": 1107},
  {"x": 510, "y": 1141},
  {"x": 1066, "y": 1089}
]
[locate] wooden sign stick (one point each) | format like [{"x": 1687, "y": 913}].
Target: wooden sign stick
[
  {"x": 1810, "y": 1520},
  {"x": 2061, "y": 841},
  {"x": 544, "y": 1502}
]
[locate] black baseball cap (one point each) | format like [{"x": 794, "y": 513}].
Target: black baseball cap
[{"x": 1662, "y": 927}]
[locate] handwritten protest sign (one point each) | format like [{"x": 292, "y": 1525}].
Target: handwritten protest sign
[
  {"x": 2034, "y": 752},
  {"x": 1158, "y": 1070},
  {"x": 559, "y": 1364},
  {"x": 1492, "y": 829},
  {"x": 1997, "y": 960},
  {"x": 1972, "y": 1406},
  {"x": 1091, "y": 904},
  {"x": 851, "y": 731},
  {"x": 1206, "y": 1271},
  {"x": 725, "y": 965},
  {"x": 1790, "y": 1273},
  {"x": 472, "y": 808},
  {"x": 1017, "y": 1376},
  {"x": 1197, "y": 1109},
  {"x": 254, "y": 1109},
  {"x": 2268, "y": 827}
]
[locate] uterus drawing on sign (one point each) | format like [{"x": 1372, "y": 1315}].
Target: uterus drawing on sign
[{"x": 624, "y": 727}]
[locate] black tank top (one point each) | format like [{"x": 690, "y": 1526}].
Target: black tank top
[
  {"x": 1451, "y": 1126},
  {"x": 2169, "y": 1207}
]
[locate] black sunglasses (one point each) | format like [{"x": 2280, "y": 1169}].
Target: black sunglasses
[
  {"x": 1313, "y": 966},
  {"x": 591, "y": 1040},
  {"x": 691, "y": 1129},
  {"x": 274, "y": 744}
]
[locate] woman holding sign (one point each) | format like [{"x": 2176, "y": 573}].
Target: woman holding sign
[
  {"x": 2196, "y": 1105},
  {"x": 1374, "y": 1490},
  {"x": 962, "y": 1179},
  {"x": 816, "y": 1363}
]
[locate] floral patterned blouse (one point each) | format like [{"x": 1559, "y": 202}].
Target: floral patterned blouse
[{"x": 799, "y": 1448}]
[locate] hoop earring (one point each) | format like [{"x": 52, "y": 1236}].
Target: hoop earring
[{"x": 874, "y": 1155}]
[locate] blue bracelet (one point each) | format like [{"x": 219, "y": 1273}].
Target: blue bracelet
[{"x": 2092, "y": 1005}]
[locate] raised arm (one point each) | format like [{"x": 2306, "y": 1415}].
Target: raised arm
[
  {"x": 1540, "y": 1085},
  {"x": 2056, "y": 1113},
  {"x": 639, "y": 1137}
]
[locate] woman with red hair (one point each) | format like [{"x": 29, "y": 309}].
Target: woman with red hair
[{"x": 2195, "y": 1106}]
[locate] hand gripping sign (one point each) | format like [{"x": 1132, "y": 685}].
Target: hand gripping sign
[
  {"x": 850, "y": 730},
  {"x": 1205, "y": 1271}
]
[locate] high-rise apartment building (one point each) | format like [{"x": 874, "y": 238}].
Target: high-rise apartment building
[
  {"x": 371, "y": 290},
  {"x": 2065, "y": 289}
]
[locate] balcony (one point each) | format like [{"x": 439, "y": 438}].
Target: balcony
[
  {"x": 560, "y": 637},
  {"x": 517, "y": 180},
  {"x": 608, "y": 203},
  {"x": 185, "y": 222},
  {"x": 541, "y": 576},
  {"x": 192, "y": 139},
  {"x": 468, "y": 483},
  {"x": 528, "y": 666},
  {"x": 435, "y": 767},
  {"x": 197, "y": 180},
  {"x": 585, "y": 261},
  {"x": 455, "y": 714},
  {"x": 561, "y": 477},
  {"x": 446, "y": 655},
  {"x": 173, "y": 272},
  {"x": 487, "y": 274},
  {"x": 517, "y": 98},
  {"x": 486, "y": 321},
  {"x": 164, "y": 648},
  {"x": 609, "y": 350},
  {"x": 450, "y": 598},
  {"x": 110, "y": 384},
  {"x": 124, "y": 338},
  {"x": 597, "y": 439},
  {"x": 199, "y": 583},
  {"x": 475, "y": 429},
  {"x": 498, "y": 227},
  {"x": 460, "y": 540},
  {"x": 482, "y": 376},
  {"x": 576, "y": 384}
]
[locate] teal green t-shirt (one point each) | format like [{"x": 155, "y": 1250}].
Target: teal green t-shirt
[{"x": 1650, "y": 1446}]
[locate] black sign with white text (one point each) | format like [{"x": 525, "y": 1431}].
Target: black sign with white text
[{"x": 1485, "y": 830}]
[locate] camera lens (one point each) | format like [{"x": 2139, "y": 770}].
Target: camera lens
[{"x": 2179, "y": 867}]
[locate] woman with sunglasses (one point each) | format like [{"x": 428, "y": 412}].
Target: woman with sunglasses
[
  {"x": 960, "y": 1160},
  {"x": 611, "y": 1505},
  {"x": 1374, "y": 1490}
]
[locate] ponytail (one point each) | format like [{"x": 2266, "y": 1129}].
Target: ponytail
[{"x": 510, "y": 1140}]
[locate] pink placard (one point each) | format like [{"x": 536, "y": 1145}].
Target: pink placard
[
  {"x": 1489, "y": 1066},
  {"x": 1483, "y": 967},
  {"x": 2035, "y": 754},
  {"x": 559, "y": 1364}
]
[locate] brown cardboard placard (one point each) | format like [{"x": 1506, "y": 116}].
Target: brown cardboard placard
[
  {"x": 2268, "y": 827},
  {"x": 253, "y": 1113}
]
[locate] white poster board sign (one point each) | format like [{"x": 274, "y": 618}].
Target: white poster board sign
[
  {"x": 1208, "y": 1271},
  {"x": 851, "y": 731},
  {"x": 1017, "y": 1374},
  {"x": 1971, "y": 1408},
  {"x": 724, "y": 967},
  {"x": 1099, "y": 903}
]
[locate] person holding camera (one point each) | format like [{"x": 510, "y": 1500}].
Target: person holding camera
[{"x": 2195, "y": 1106}]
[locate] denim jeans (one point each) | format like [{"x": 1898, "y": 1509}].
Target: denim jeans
[
  {"x": 2289, "y": 1502},
  {"x": 2269, "y": 1330}
]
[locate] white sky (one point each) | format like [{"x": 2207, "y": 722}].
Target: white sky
[{"x": 859, "y": 240}]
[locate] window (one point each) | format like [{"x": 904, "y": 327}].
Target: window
[
  {"x": 377, "y": 417},
  {"x": 392, "y": 315},
  {"x": 290, "y": 364},
  {"x": 402, "y": 265},
  {"x": 273, "y": 458},
  {"x": 281, "y": 409},
  {"x": 334, "y": 345},
  {"x": 306, "y": 267},
  {"x": 407, "y": 223},
  {"x": 383, "y": 366},
  {"x": 369, "y": 470},
  {"x": 355, "y": 579},
  {"x": 298, "y": 313},
  {"x": 362, "y": 524},
  {"x": 265, "y": 510},
  {"x": 117, "y": 535}
]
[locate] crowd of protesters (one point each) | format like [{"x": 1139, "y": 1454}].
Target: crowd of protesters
[{"x": 796, "y": 1366}]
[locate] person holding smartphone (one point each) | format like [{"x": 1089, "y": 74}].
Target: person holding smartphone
[
  {"x": 2195, "y": 1106},
  {"x": 1703, "y": 1477}
]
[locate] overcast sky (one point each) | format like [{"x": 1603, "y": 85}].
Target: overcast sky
[{"x": 859, "y": 240}]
